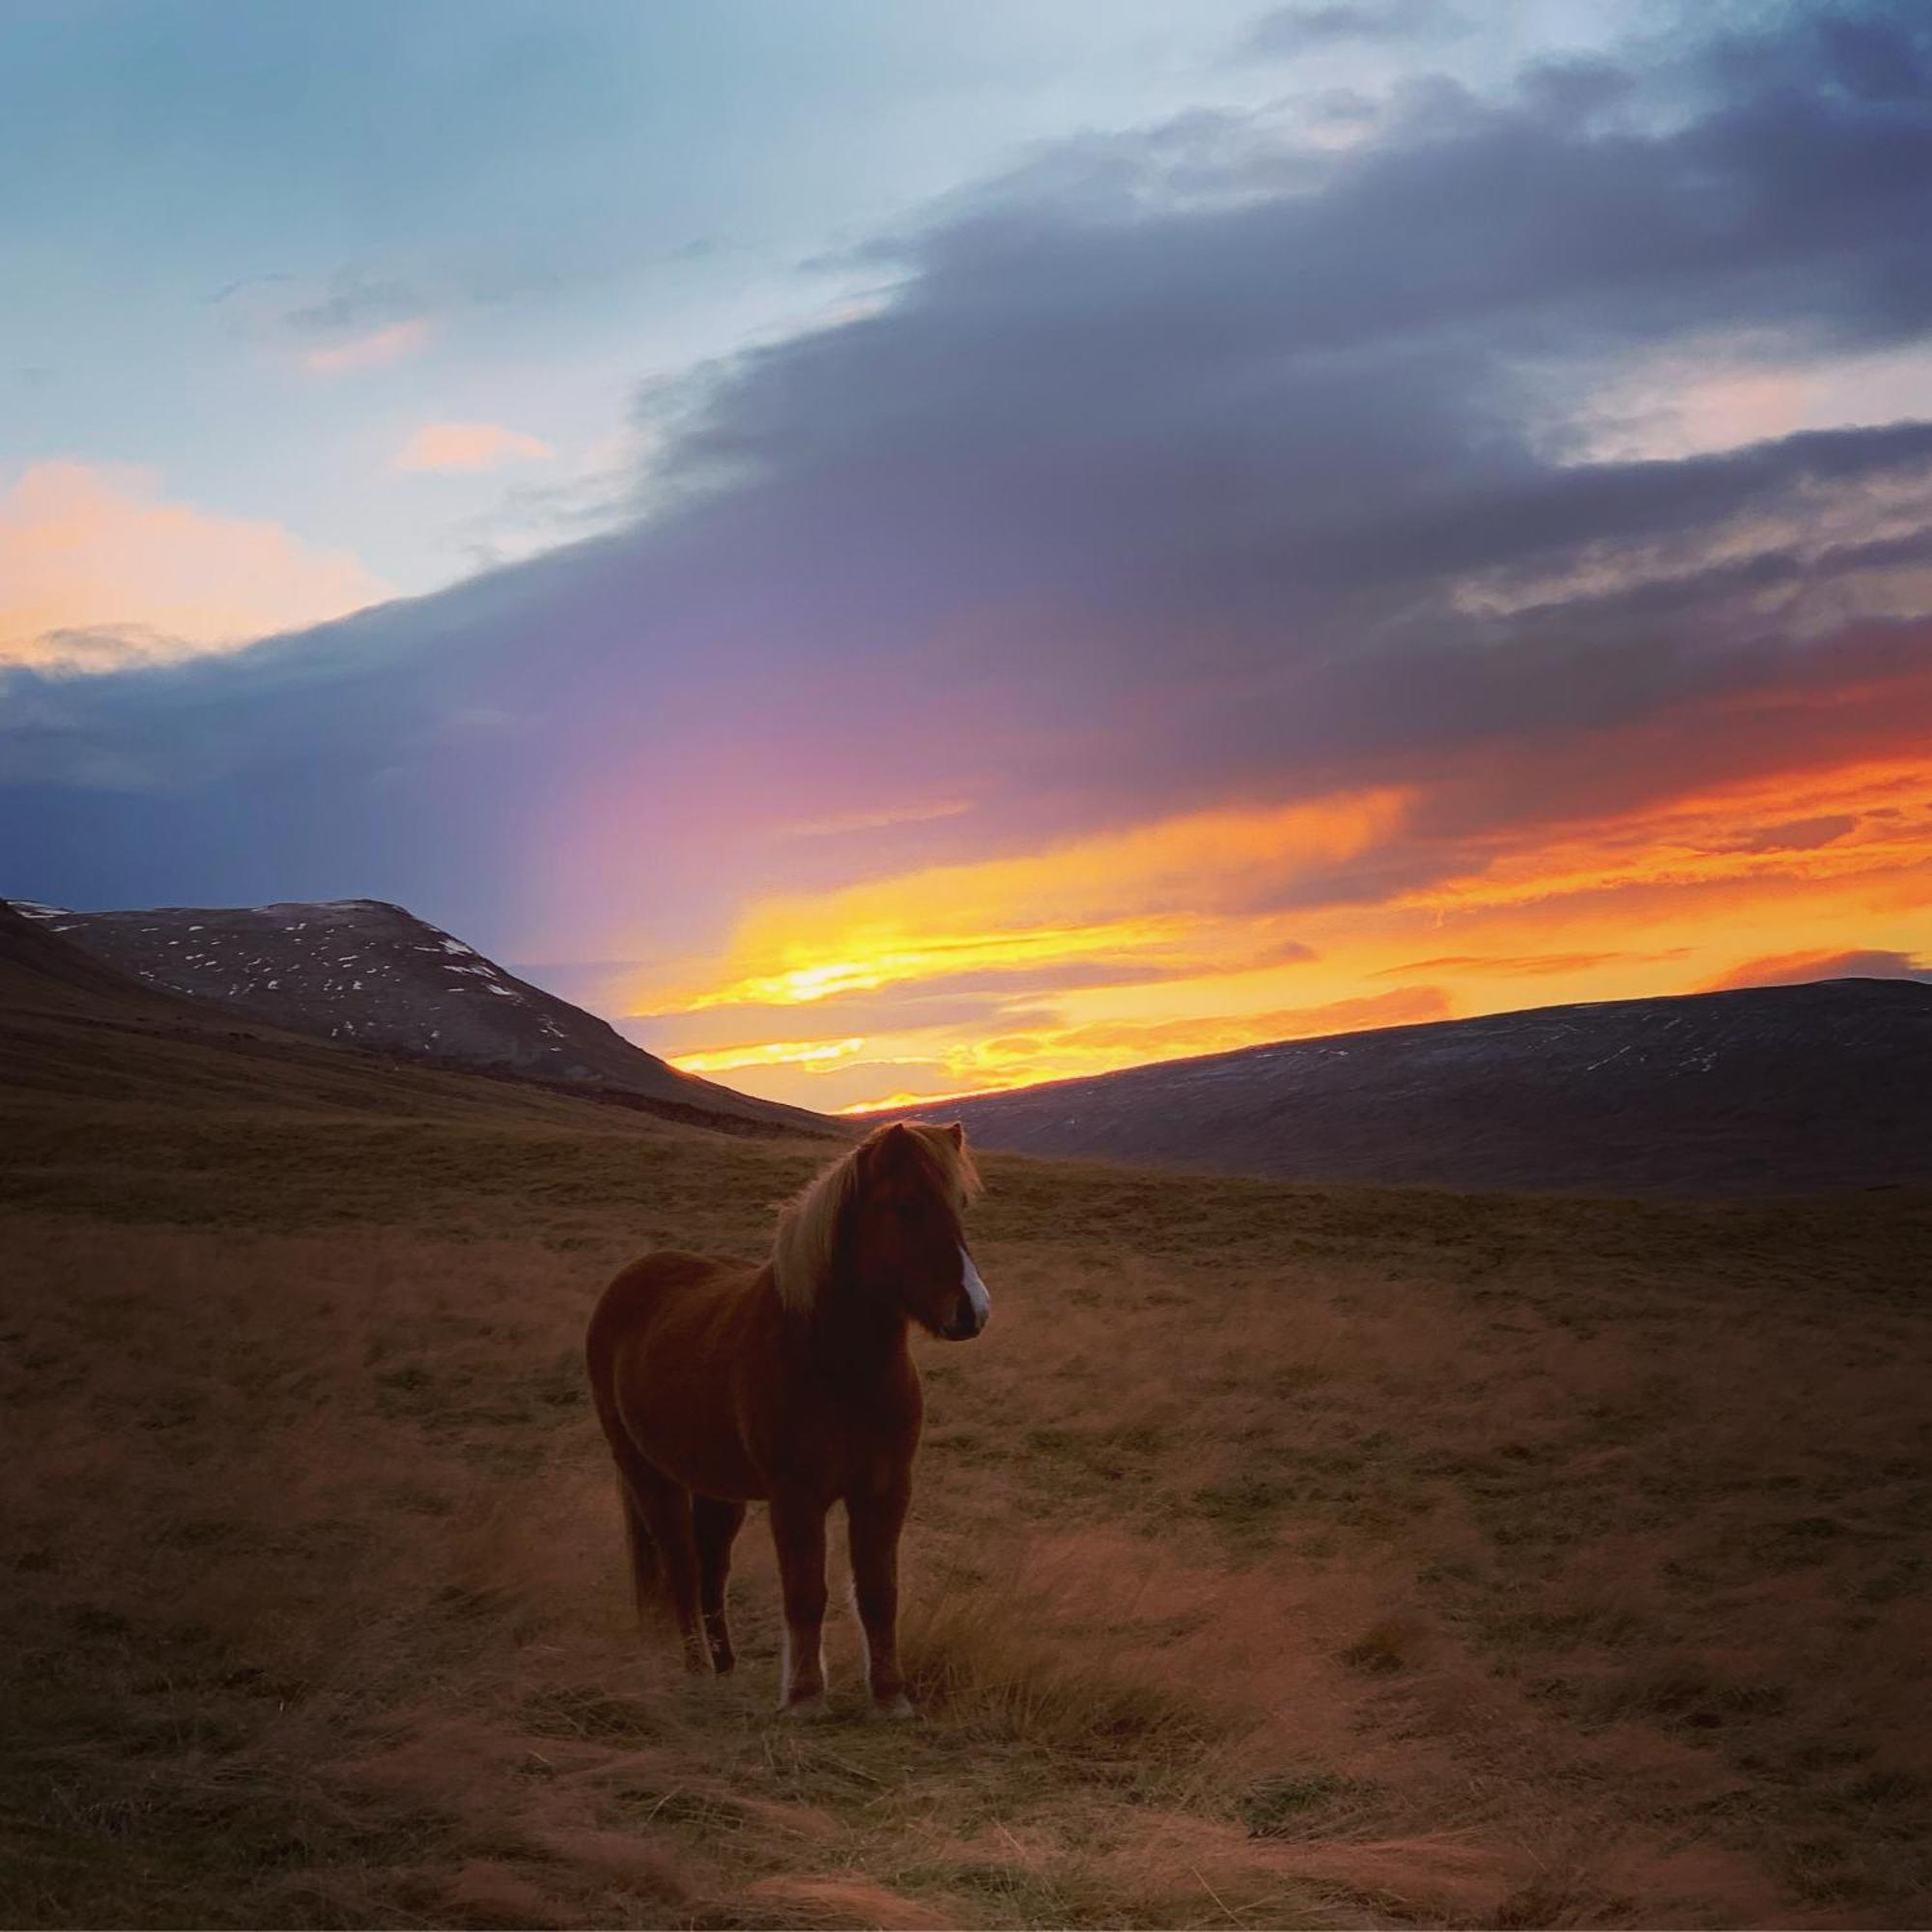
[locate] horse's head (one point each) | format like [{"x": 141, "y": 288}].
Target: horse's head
[{"x": 911, "y": 1184}]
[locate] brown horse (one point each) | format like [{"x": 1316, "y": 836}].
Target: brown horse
[{"x": 719, "y": 1384}]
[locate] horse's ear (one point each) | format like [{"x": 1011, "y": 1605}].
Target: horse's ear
[
  {"x": 884, "y": 1147},
  {"x": 955, "y": 1133}
]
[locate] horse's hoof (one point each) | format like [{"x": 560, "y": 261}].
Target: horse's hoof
[
  {"x": 807, "y": 1710},
  {"x": 897, "y": 1710}
]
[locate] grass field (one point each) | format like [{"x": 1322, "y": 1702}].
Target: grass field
[{"x": 1280, "y": 1557}]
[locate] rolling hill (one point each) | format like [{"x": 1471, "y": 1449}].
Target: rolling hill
[
  {"x": 366, "y": 974},
  {"x": 1774, "y": 1090}
]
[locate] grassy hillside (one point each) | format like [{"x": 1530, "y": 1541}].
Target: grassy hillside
[
  {"x": 1757, "y": 1091},
  {"x": 1282, "y": 1556}
]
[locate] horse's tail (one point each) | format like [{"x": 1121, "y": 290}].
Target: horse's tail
[{"x": 646, "y": 1571}]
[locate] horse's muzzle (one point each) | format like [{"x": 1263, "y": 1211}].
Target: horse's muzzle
[
  {"x": 975, "y": 1306},
  {"x": 967, "y": 1322}
]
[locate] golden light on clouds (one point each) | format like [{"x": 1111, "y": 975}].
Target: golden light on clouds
[
  {"x": 1143, "y": 894},
  {"x": 890, "y": 955},
  {"x": 774, "y": 1053},
  {"x": 1831, "y": 827},
  {"x": 1213, "y": 930},
  {"x": 97, "y": 570}
]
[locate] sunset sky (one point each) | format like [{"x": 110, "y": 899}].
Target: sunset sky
[{"x": 897, "y": 550}]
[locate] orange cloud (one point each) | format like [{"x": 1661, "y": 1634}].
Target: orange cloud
[
  {"x": 951, "y": 979},
  {"x": 97, "y": 572},
  {"x": 1534, "y": 965},
  {"x": 1798, "y": 969},
  {"x": 1851, "y": 820},
  {"x": 1143, "y": 894},
  {"x": 375, "y": 351},
  {"x": 805, "y": 1053},
  {"x": 469, "y": 445}
]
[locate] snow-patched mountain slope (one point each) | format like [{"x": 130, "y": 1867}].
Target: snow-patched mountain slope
[
  {"x": 369, "y": 974},
  {"x": 42, "y": 974},
  {"x": 1775, "y": 1089}
]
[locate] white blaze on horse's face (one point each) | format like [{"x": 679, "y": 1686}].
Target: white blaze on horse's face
[{"x": 978, "y": 1301}]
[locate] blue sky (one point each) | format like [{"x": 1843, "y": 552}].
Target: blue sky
[
  {"x": 898, "y": 549},
  {"x": 572, "y": 200}
]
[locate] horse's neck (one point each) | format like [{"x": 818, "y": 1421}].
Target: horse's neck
[{"x": 853, "y": 1339}]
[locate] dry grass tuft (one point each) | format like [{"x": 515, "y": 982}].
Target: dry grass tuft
[
  {"x": 481, "y": 1891},
  {"x": 1049, "y": 1649},
  {"x": 1390, "y": 1644},
  {"x": 834, "y": 1903}
]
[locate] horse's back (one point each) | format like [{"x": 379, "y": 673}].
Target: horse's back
[
  {"x": 659, "y": 1276},
  {"x": 670, "y": 1287},
  {"x": 669, "y": 1341}
]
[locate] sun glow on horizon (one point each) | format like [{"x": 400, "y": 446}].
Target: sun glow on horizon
[
  {"x": 1227, "y": 929},
  {"x": 772, "y": 1053},
  {"x": 1134, "y": 895}
]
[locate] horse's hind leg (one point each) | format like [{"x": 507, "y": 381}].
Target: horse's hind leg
[
  {"x": 716, "y": 1524},
  {"x": 666, "y": 1509}
]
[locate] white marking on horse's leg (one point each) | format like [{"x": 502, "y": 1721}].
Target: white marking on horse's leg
[
  {"x": 788, "y": 1654},
  {"x": 865, "y": 1636},
  {"x": 976, "y": 1290}
]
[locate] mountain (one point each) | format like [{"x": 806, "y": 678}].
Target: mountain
[
  {"x": 42, "y": 974},
  {"x": 366, "y": 974},
  {"x": 97, "y": 1069},
  {"x": 1774, "y": 1090}
]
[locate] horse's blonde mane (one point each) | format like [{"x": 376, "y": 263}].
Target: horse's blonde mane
[{"x": 808, "y": 1231}]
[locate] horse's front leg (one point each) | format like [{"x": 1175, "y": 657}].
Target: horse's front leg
[
  {"x": 798, "y": 1531},
  {"x": 876, "y": 1517}
]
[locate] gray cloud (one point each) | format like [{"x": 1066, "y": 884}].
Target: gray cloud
[
  {"x": 1175, "y": 468},
  {"x": 1291, "y": 31},
  {"x": 355, "y": 303}
]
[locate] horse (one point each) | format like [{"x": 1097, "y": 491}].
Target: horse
[{"x": 719, "y": 1384}]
